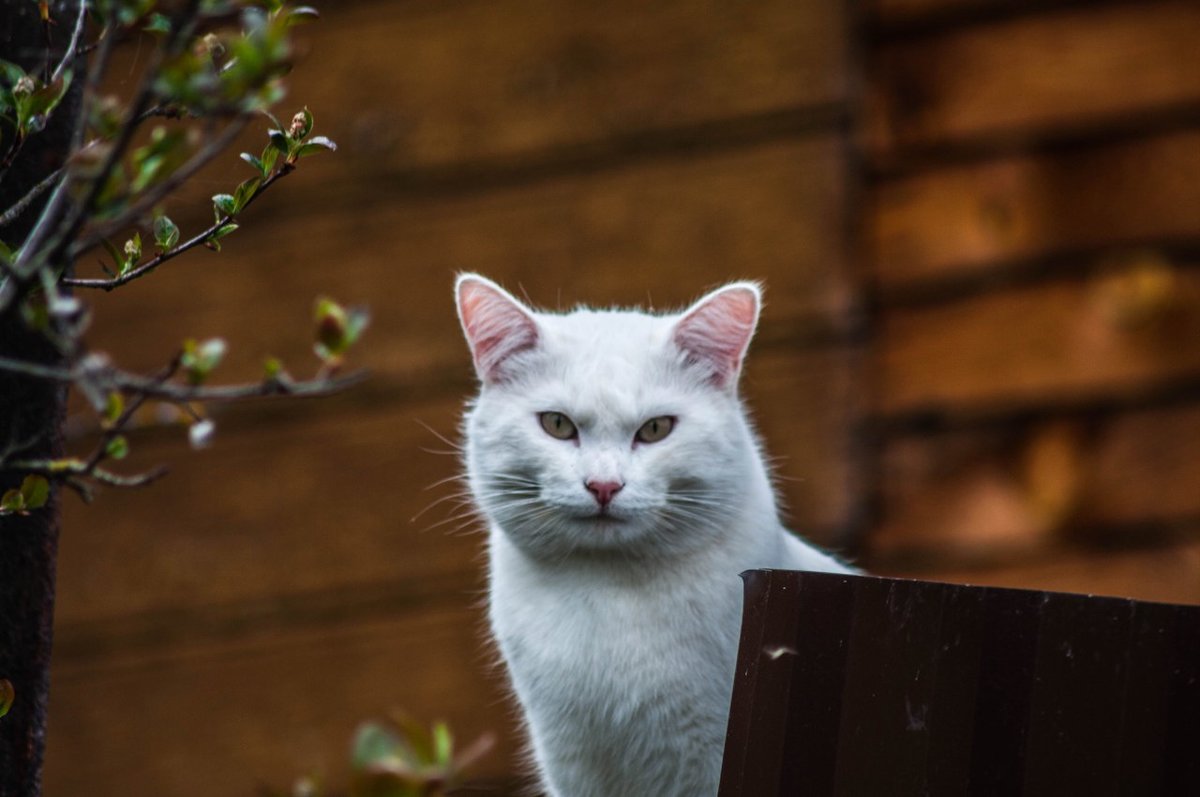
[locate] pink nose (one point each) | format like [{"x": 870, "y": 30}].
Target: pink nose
[{"x": 603, "y": 491}]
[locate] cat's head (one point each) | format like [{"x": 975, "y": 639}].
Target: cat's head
[{"x": 609, "y": 430}]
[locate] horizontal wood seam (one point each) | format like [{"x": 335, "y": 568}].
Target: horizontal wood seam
[{"x": 884, "y": 28}]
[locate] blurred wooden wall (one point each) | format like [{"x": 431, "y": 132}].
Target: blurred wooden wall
[
  {"x": 1032, "y": 219},
  {"x": 233, "y": 623},
  {"x": 977, "y": 222}
]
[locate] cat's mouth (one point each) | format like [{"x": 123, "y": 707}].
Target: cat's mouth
[{"x": 601, "y": 518}]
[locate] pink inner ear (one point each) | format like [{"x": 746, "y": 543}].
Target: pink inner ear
[
  {"x": 717, "y": 331},
  {"x": 495, "y": 325}
]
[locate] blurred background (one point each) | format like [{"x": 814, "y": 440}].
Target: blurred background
[{"x": 979, "y": 225}]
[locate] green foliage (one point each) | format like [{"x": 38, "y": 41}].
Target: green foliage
[
  {"x": 26, "y": 101},
  {"x": 219, "y": 65},
  {"x": 126, "y": 257},
  {"x": 294, "y": 142},
  {"x": 166, "y": 233},
  {"x": 7, "y": 696},
  {"x": 114, "y": 405},
  {"x": 399, "y": 757},
  {"x": 337, "y": 329},
  {"x": 200, "y": 358},
  {"x": 33, "y": 493},
  {"x": 117, "y": 447},
  {"x": 165, "y": 153},
  {"x": 125, "y": 13}
]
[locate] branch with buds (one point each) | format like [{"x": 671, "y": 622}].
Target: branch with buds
[{"x": 217, "y": 67}]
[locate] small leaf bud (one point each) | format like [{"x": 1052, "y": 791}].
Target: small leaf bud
[{"x": 200, "y": 433}]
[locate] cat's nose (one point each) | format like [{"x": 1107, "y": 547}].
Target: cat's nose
[{"x": 603, "y": 492}]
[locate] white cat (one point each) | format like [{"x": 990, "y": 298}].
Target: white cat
[{"x": 625, "y": 491}]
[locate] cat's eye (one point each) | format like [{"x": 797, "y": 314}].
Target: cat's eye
[
  {"x": 655, "y": 429},
  {"x": 558, "y": 425}
]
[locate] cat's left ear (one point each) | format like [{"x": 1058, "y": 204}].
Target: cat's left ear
[
  {"x": 715, "y": 332},
  {"x": 496, "y": 325}
]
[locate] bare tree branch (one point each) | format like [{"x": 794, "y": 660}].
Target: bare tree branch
[
  {"x": 24, "y": 202},
  {"x": 156, "y": 194},
  {"x": 158, "y": 260},
  {"x": 73, "y": 46},
  {"x": 107, "y": 378}
]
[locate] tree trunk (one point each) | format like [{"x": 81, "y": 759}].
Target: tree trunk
[{"x": 31, "y": 413}]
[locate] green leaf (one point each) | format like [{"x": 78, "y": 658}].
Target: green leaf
[
  {"x": 199, "y": 359},
  {"x": 10, "y": 73},
  {"x": 221, "y": 232},
  {"x": 255, "y": 162},
  {"x": 330, "y": 335},
  {"x": 301, "y": 14},
  {"x": 118, "y": 257},
  {"x": 443, "y": 745},
  {"x": 166, "y": 233},
  {"x": 315, "y": 145},
  {"x": 158, "y": 23},
  {"x": 225, "y": 205},
  {"x": 272, "y": 368},
  {"x": 46, "y": 98},
  {"x": 114, "y": 405},
  {"x": 118, "y": 447},
  {"x": 154, "y": 161},
  {"x": 246, "y": 191},
  {"x": 12, "y": 501},
  {"x": 357, "y": 319},
  {"x": 36, "y": 491},
  {"x": 36, "y": 313},
  {"x": 373, "y": 745},
  {"x": 7, "y": 696},
  {"x": 279, "y": 141},
  {"x": 269, "y": 156}
]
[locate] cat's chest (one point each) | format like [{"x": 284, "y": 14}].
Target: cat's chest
[{"x": 580, "y": 636}]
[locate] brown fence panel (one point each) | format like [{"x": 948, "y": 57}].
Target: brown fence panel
[{"x": 855, "y": 685}]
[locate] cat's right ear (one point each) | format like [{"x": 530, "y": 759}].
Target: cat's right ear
[{"x": 496, "y": 325}]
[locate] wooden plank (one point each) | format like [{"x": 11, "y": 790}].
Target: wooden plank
[
  {"x": 1144, "y": 467},
  {"x": 656, "y": 231},
  {"x": 1020, "y": 490},
  {"x": 1017, "y": 78},
  {"x": 473, "y": 80},
  {"x": 1028, "y": 691},
  {"x": 953, "y": 223},
  {"x": 959, "y": 497},
  {"x": 1053, "y": 343},
  {"x": 288, "y": 509},
  {"x": 202, "y": 718},
  {"x": 807, "y": 406}
]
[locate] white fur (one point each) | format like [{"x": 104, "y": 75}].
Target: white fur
[{"x": 620, "y": 633}]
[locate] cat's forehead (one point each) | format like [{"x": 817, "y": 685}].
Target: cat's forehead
[
  {"x": 624, "y": 332},
  {"x": 610, "y": 361}
]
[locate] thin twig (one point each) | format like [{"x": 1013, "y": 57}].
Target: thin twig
[
  {"x": 156, "y": 194},
  {"x": 181, "y": 31},
  {"x": 74, "y": 44},
  {"x": 158, "y": 260},
  {"x": 14, "y": 212},
  {"x": 109, "y": 378},
  {"x": 68, "y": 470}
]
